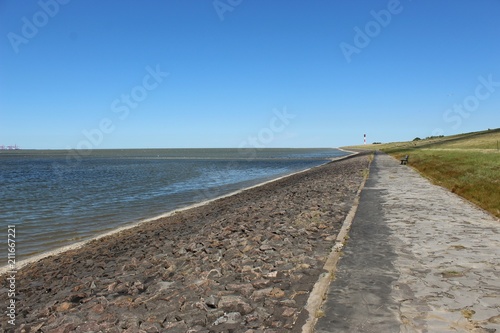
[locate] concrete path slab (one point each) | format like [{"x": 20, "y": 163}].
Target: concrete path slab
[{"x": 419, "y": 259}]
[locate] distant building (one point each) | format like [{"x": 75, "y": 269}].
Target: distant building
[{"x": 14, "y": 147}]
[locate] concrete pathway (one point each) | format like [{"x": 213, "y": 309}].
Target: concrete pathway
[{"x": 419, "y": 259}]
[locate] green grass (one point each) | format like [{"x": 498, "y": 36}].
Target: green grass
[
  {"x": 487, "y": 140},
  {"x": 467, "y": 164}
]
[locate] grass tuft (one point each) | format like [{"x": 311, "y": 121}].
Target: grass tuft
[
  {"x": 468, "y": 313},
  {"x": 320, "y": 314}
]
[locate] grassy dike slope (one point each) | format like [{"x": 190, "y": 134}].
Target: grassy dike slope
[{"x": 467, "y": 164}]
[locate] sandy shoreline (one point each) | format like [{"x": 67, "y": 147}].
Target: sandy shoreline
[{"x": 253, "y": 255}]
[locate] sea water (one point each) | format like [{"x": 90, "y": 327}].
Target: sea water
[{"x": 56, "y": 198}]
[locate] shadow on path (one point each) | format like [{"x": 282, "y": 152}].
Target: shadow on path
[{"x": 359, "y": 298}]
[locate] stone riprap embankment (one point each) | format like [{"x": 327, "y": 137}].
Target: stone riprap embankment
[{"x": 243, "y": 263}]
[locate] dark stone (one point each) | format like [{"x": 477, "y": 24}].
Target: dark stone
[{"x": 211, "y": 302}]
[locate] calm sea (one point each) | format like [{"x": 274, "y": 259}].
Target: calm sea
[{"x": 56, "y": 198}]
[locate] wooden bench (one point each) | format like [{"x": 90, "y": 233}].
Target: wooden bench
[{"x": 404, "y": 160}]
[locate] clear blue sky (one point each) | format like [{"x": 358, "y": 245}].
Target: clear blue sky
[{"x": 73, "y": 67}]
